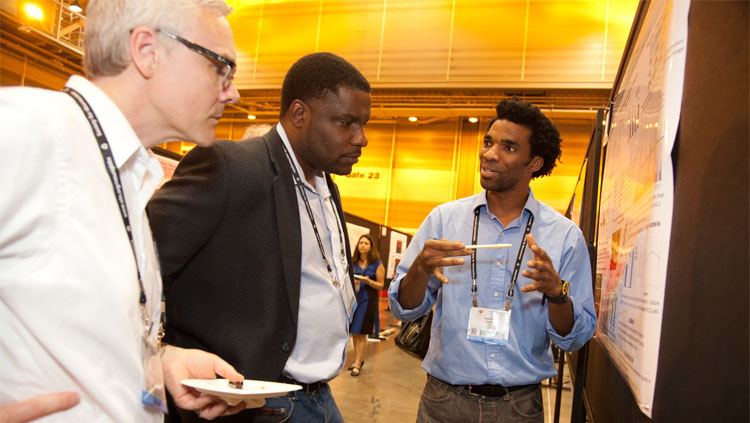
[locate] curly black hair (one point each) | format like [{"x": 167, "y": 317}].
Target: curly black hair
[
  {"x": 314, "y": 74},
  {"x": 545, "y": 138}
]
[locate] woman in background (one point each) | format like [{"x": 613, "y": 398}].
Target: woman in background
[{"x": 369, "y": 275}]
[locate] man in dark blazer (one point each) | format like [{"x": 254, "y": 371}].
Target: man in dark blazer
[{"x": 253, "y": 245}]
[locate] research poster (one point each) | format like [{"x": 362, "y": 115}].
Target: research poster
[
  {"x": 396, "y": 252},
  {"x": 637, "y": 198}
]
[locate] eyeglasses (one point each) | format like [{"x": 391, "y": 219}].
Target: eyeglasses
[{"x": 225, "y": 68}]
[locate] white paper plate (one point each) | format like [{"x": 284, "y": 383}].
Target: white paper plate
[{"x": 252, "y": 392}]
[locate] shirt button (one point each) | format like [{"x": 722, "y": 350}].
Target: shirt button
[
  {"x": 285, "y": 348},
  {"x": 499, "y": 263},
  {"x": 492, "y": 356},
  {"x": 496, "y": 294}
]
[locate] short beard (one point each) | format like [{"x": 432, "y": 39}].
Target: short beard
[{"x": 503, "y": 184}]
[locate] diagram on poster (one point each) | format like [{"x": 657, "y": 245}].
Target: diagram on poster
[
  {"x": 398, "y": 247},
  {"x": 637, "y": 198}
]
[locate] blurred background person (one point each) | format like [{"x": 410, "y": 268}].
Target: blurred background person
[{"x": 370, "y": 278}]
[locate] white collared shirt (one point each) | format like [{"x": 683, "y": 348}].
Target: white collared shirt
[
  {"x": 69, "y": 313},
  {"x": 322, "y": 323}
]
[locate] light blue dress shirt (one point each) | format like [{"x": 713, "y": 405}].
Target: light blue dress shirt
[{"x": 527, "y": 358}]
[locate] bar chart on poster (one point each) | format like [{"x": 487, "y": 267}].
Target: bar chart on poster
[{"x": 637, "y": 198}]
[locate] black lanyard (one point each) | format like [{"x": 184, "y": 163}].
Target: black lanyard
[
  {"x": 114, "y": 176},
  {"x": 301, "y": 188},
  {"x": 516, "y": 269}
]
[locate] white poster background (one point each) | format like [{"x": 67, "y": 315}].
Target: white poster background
[
  {"x": 398, "y": 247},
  {"x": 637, "y": 198}
]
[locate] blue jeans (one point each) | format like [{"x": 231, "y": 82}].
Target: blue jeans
[
  {"x": 299, "y": 407},
  {"x": 443, "y": 403}
]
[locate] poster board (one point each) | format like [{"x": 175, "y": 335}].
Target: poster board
[
  {"x": 587, "y": 195},
  {"x": 637, "y": 195},
  {"x": 703, "y": 358},
  {"x": 397, "y": 244}
]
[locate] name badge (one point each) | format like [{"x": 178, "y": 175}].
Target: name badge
[
  {"x": 347, "y": 295},
  {"x": 489, "y": 326},
  {"x": 154, "y": 393}
]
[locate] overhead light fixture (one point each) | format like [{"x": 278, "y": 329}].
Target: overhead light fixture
[
  {"x": 76, "y": 7},
  {"x": 251, "y": 117},
  {"x": 413, "y": 119},
  {"x": 473, "y": 119},
  {"x": 33, "y": 11}
]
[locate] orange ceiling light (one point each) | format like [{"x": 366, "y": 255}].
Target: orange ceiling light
[{"x": 33, "y": 11}]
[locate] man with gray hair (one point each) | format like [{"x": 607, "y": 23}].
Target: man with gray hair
[{"x": 80, "y": 288}]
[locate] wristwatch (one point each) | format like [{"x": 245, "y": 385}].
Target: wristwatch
[{"x": 563, "y": 298}]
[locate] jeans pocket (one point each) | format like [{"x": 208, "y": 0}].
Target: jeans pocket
[
  {"x": 434, "y": 390},
  {"x": 528, "y": 404},
  {"x": 276, "y": 410}
]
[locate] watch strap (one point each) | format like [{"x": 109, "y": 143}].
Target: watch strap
[{"x": 562, "y": 299}]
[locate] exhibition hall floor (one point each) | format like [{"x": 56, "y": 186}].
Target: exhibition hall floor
[{"x": 390, "y": 384}]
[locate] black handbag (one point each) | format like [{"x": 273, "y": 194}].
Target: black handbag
[{"x": 414, "y": 337}]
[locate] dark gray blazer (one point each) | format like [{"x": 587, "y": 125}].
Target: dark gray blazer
[{"x": 227, "y": 229}]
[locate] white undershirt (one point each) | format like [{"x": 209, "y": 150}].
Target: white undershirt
[{"x": 322, "y": 323}]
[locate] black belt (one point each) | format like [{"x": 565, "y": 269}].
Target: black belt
[
  {"x": 488, "y": 390},
  {"x": 308, "y": 388}
]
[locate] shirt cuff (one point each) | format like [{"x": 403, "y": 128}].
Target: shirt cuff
[
  {"x": 406, "y": 315},
  {"x": 567, "y": 341}
]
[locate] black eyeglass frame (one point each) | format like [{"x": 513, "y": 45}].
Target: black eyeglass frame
[{"x": 206, "y": 52}]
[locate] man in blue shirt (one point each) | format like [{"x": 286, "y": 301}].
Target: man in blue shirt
[{"x": 496, "y": 313}]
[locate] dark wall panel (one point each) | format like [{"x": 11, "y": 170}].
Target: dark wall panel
[{"x": 704, "y": 360}]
